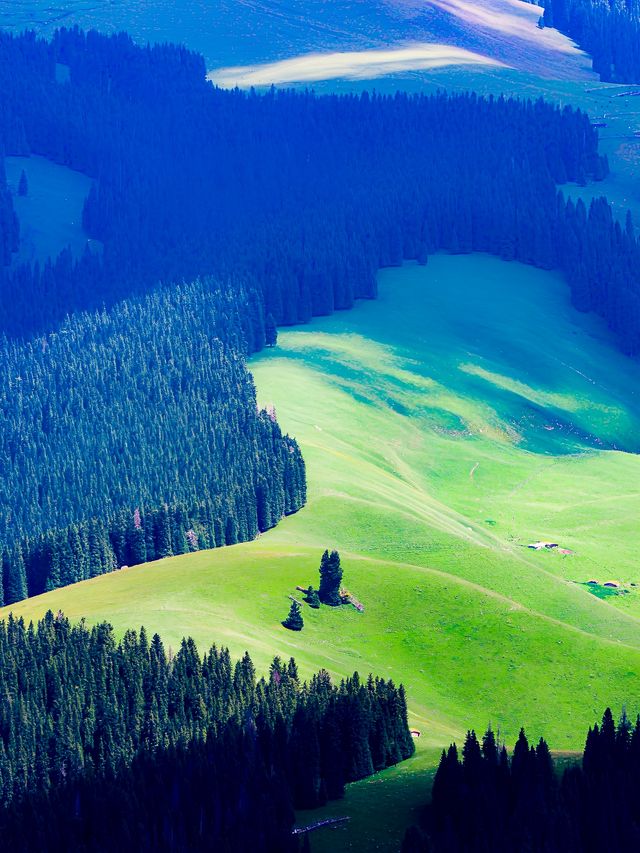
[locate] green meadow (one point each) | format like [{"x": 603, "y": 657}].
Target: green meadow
[
  {"x": 51, "y": 213},
  {"x": 467, "y": 412}
]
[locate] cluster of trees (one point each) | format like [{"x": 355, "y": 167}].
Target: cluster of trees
[
  {"x": 330, "y": 579},
  {"x": 328, "y": 593},
  {"x": 9, "y": 225},
  {"x": 609, "y": 30},
  {"x": 119, "y": 746},
  {"x": 486, "y": 800},
  {"x": 134, "y": 434},
  {"x": 189, "y": 181}
]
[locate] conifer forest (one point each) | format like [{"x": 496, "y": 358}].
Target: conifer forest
[{"x": 319, "y": 341}]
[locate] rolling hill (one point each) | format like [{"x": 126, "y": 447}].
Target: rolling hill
[{"x": 466, "y": 413}]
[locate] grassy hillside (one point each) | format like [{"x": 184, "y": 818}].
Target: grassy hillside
[
  {"x": 258, "y": 31},
  {"x": 439, "y": 441},
  {"x": 51, "y": 213},
  {"x": 467, "y": 412}
]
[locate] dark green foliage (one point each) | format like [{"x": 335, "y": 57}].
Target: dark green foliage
[
  {"x": 270, "y": 331},
  {"x": 147, "y": 420},
  {"x": 14, "y": 578},
  {"x": 330, "y": 579},
  {"x": 148, "y": 407},
  {"x": 294, "y": 621},
  {"x": 609, "y": 30},
  {"x": 414, "y": 841},
  {"x": 456, "y": 173},
  {"x": 312, "y": 598},
  {"x": 486, "y": 802},
  {"x": 9, "y": 227},
  {"x": 23, "y": 184},
  {"x": 109, "y": 746}
]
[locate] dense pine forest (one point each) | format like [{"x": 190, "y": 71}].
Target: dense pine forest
[
  {"x": 110, "y": 746},
  {"x": 609, "y": 30},
  {"x": 9, "y": 225},
  {"x": 306, "y": 196},
  {"x": 486, "y": 800},
  {"x": 131, "y": 435},
  {"x": 130, "y": 431},
  {"x": 291, "y": 202}
]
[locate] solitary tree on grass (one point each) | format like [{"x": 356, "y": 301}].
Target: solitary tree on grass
[
  {"x": 294, "y": 621},
  {"x": 270, "y": 331},
  {"x": 330, "y": 579},
  {"x": 23, "y": 184}
]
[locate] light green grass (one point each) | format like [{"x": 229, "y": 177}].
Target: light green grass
[
  {"x": 51, "y": 213},
  {"x": 445, "y": 425}
]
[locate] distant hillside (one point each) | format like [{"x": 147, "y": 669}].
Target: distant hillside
[
  {"x": 247, "y": 33},
  {"x": 609, "y": 31}
]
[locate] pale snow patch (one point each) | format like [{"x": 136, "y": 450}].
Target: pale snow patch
[{"x": 351, "y": 65}]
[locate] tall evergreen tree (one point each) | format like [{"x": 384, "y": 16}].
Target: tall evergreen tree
[
  {"x": 270, "y": 331},
  {"x": 330, "y": 579},
  {"x": 294, "y": 621},
  {"x": 14, "y": 576},
  {"x": 23, "y": 184}
]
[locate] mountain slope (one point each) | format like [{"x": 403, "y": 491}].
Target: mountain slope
[{"x": 431, "y": 459}]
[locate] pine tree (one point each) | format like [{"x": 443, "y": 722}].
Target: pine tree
[
  {"x": 136, "y": 542},
  {"x": 15, "y": 577},
  {"x": 330, "y": 579},
  {"x": 312, "y": 598},
  {"x": 292, "y": 670},
  {"x": 270, "y": 331},
  {"x": 414, "y": 841},
  {"x": 294, "y": 621},
  {"x": 163, "y": 533}
]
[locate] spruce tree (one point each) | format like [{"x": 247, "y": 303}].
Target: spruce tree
[
  {"x": 414, "y": 841},
  {"x": 294, "y": 621},
  {"x": 270, "y": 331},
  {"x": 136, "y": 544},
  {"x": 15, "y": 577},
  {"x": 330, "y": 579},
  {"x": 292, "y": 670},
  {"x": 163, "y": 533},
  {"x": 312, "y": 598}
]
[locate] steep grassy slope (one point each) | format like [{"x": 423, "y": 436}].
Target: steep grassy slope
[{"x": 465, "y": 413}]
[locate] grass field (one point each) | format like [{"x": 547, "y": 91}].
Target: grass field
[
  {"x": 51, "y": 213},
  {"x": 465, "y": 413}
]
